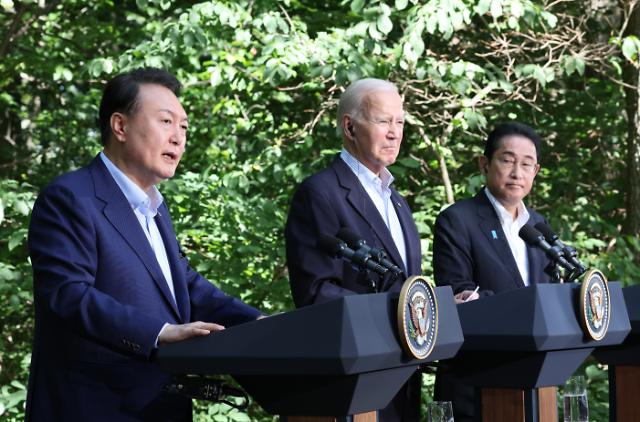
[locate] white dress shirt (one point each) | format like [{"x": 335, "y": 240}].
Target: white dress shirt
[{"x": 511, "y": 228}]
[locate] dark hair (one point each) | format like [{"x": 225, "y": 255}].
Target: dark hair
[
  {"x": 507, "y": 129},
  {"x": 121, "y": 94}
]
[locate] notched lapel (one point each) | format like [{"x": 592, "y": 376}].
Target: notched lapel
[
  {"x": 359, "y": 200},
  {"x": 118, "y": 212},
  {"x": 492, "y": 230},
  {"x": 174, "y": 256}
]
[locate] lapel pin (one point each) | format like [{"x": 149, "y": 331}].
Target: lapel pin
[{"x": 494, "y": 234}]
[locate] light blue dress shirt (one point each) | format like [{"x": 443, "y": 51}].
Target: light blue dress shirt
[{"x": 145, "y": 207}]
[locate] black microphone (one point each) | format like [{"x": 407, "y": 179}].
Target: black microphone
[
  {"x": 533, "y": 237},
  {"x": 359, "y": 259},
  {"x": 355, "y": 242},
  {"x": 569, "y": 252}
]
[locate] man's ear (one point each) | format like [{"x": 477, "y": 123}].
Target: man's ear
[
  {"x": 347, "y": 127},
  {"x": 118, "y": 123},
  {"x": 483, "y": 163}
]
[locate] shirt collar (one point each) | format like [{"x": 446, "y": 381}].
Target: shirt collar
[
  {"x": 147, "y": 204},
  {"x": 503, "y": 214},
  {"x": 362, "y": 172}
]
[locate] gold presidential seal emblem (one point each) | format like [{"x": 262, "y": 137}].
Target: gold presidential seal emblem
[
  {"x": 595, "y": 304},
  {"x": 417, "y": 317}
]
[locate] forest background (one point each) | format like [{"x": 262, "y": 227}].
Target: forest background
[{"x": 262, "y": 79}]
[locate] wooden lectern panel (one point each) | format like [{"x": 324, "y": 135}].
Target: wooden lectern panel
[
  {"x": 548, "y": 404},
  {"x": 360, "y": 417},
  {"x": 502, "y": 405},
  {"x": 627, "y": 393},
  {"x": 508, "y": 405}
]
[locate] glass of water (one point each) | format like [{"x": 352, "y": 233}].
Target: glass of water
[
  {"x": 439, "y": 411},
  {"x": 576, "y": 408}
]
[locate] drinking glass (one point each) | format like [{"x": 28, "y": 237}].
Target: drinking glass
[
  {"x": 576, "y": 408},
  {"x": 439, "y": 411}
]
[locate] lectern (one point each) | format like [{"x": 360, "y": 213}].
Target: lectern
[
  {"x": 334, "y": 359},
  {"x": 624, "y": 365},
  {"x": 519, "y": 341}
]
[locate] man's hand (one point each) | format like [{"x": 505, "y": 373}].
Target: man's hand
[
  {"x": 466, "y": 296},
  {"x": 171, "y": 333}
]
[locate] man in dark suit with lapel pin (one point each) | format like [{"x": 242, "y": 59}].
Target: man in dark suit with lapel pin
[
  {"x": 355, "y": 192},
  {"x": 110, "y": 281},
  {"x": 476, "y": 241}
]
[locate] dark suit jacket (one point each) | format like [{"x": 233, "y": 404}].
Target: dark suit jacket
[
  {"x": 466, "y": 254},
  {"x": 100, "y": 302},
  {"x": 324, "y": 203}
]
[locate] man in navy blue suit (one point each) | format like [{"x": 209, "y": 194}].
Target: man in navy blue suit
[
  {"x": 476, "y": 242},
  {"x": 355, "y": 192},
  {"x": 111, "y": 283}
]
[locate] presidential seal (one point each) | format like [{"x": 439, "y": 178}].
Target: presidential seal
[
  {"x": 417, "y": 317},
  {"x": 595, "y": 305}
]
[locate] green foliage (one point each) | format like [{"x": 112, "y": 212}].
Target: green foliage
[{"x": 262, "y": 79}]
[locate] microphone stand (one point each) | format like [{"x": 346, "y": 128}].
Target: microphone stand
[
  {"x": 553, "y": 270},
  {"x": 371, "y": 280}
]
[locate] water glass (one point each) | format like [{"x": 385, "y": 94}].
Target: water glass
[
  {"x": 576, "y": 408},
  {"x": 439, "y": 411}
]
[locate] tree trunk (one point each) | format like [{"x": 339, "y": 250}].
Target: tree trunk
[{"x": 632, "y": 99}]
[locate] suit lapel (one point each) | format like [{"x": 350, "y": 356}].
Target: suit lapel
[
  {"x": 119, "y": 213},
  {"x": 536, "y": 260},
  {"x": 174, "y": 255},
  {"x": 364, "y": 206},
  {"x": 492, "y": 230},
  {"x": 410, "y": 232}
]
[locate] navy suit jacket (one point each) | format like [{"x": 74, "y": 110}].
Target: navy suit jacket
[
  {"x": 101, "y": 300},
  {"x": 323, "y": 204},
  {"x": 470, "y": 249}
]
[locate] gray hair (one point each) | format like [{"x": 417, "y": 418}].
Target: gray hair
[{"x": 352, "y": 98}]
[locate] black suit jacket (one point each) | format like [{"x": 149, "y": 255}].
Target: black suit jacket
[
  {"x": 470, "y": 249},
  {"x": 323, "y": 204}
]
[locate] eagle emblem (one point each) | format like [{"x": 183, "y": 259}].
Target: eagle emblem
[
  {"x": 595, "y": 305},
  {"x": 417, "y": 317}
]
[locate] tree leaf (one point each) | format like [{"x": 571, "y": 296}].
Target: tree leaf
[
  {"x": 401, "y": 4},
  {"x": 496, "y": 8},
  {"x": 357, "y": 5},
  {"x": 630, "y": 48},
  {"x": 384, "y": 24}
]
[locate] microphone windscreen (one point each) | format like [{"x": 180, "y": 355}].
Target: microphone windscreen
[
  {"x": 350, "y": 237},
  {"x": 329, "y": 244},
  {"x": 547, "y": 232},
  {"x": 529, "y": 234}
]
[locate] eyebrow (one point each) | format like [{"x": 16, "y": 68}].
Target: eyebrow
[
  {"x": 166, "y": 110},
  {"x": 514, "y": 154}
]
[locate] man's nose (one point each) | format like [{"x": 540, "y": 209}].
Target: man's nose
[
  {"x": 178, "y": 137},
  {"x": 517, "y": 171},
  {"x": 395, "y": 128}
]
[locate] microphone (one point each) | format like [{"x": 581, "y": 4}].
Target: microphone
[
  {"x": 355, "y": 242},
  {"x": 359, "y": 259},
  {"x": 533, "y": 237},
  {"x": 569, "y": 252}
]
